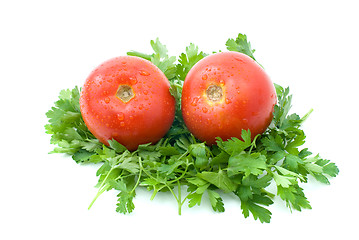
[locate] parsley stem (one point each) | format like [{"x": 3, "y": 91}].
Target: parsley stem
[
  {"x": 138, "y": 182},
  {"x": 306, "y": 115},
  {"x": 253, "y": 144},
  {"x": 179, "y": 198},
  {"x": 101, "y": 188},
  {"x": 179, "y": 178},
  {"x": 97, "y": 195}
]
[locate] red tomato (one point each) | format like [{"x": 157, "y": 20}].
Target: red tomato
[
  {"x": 127, "y": 99},
  {"x": 224, "y": 93}
]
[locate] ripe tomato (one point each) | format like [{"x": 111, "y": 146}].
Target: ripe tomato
[
  {"x": 224, "y": 93},
  {"x": 127, "y": 99}
]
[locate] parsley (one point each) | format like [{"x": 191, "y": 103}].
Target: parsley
[{"x": 243, "y": 168}]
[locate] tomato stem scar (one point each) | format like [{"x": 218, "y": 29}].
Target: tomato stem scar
[
  {"x": 125, "y": 93},
  {"x": 214, "y": 93}
]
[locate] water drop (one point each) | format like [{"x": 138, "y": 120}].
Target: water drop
[
  {"x": 228, "y": 101},
  {"x": 194, "y": 101},
  {"x": 122, "y": 124},
  {"x": 140, "y": 107},
  {"x": 133, "y": 80},
  {"x": 144, "y": 73},
  {"x": 145, "y": 92},
  {"x": 204, "y": 109},
  {"x": 239, "y": 60},
  {"x": 245, "y": 121},
  {"x": 204, "y": 77},
  {"x": 120, "y": 116},
  {"x": 107, "y": 100}
]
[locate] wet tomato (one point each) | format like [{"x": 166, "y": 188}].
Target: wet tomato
[
  {"x": 127, "y": 99},
  {"x": 224, "y": 93}
]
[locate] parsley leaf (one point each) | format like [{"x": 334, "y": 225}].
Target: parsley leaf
[
  {"x": 67, "y": 128},
  {"x": 188, "y": 59},
  {"x": 246, "y": 163},
  {"x": 240, "y": 44},
  {"x": 220, "y": 179}
]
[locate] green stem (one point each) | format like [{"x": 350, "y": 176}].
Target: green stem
[
  {"x": 101, "y": 189},
  {"x": 176, "y": 179},
  {"x": 138, "y": 182},
  {"x": 139, "y": 54},
  {"x": 179, "y": 201},
  {"x": 253, "y": 144},
  {"x": 306, "y": 115},
  {"x": 97, "y": 195}
]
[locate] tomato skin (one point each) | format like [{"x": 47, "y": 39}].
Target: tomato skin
[
  {"x": 145, "y": 118},
  {"x": 247, "y": 100}
]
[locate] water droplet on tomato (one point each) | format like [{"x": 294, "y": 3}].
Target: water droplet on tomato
[
  {"x": 121, "y": 116},
  {"x": 204, "y": 109},
  {"x": 204, "y": 77},
  {"x": 107, "y": 100},
  {"x": 221, "y": 81},
  {"x": 239, "y": 59},
  {"x": 131, "y": 117},
  {"x": 133, "y": 80},
  {"x": 145, "y": 92},
  {"x": 245, "y": 120},
  {"x": 144, "y": 73},
  {"x": 228, "y": 101},
  {"x": 194, "y": 101},
  {"x": 140, "y": 107},
  {"x": 122, "y": 124}
]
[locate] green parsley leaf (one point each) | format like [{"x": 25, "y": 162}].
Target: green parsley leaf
[
  {"x": 240, "y": 44},
  {"x": 252, "y": 203},
  {"x": 200, "y": 153},
  {"x": 219, "y": 179},
  {"x": 247, "y": 164},
  {"x": 216, "y": 201},
  {"x": 188, "y": 59},
  {"x": 294, "y": 197}
]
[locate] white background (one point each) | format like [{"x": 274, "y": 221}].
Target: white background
[{"x": 46, "y": 46}]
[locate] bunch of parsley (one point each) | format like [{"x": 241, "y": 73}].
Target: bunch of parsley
[{"x": 179, "y": 162}]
